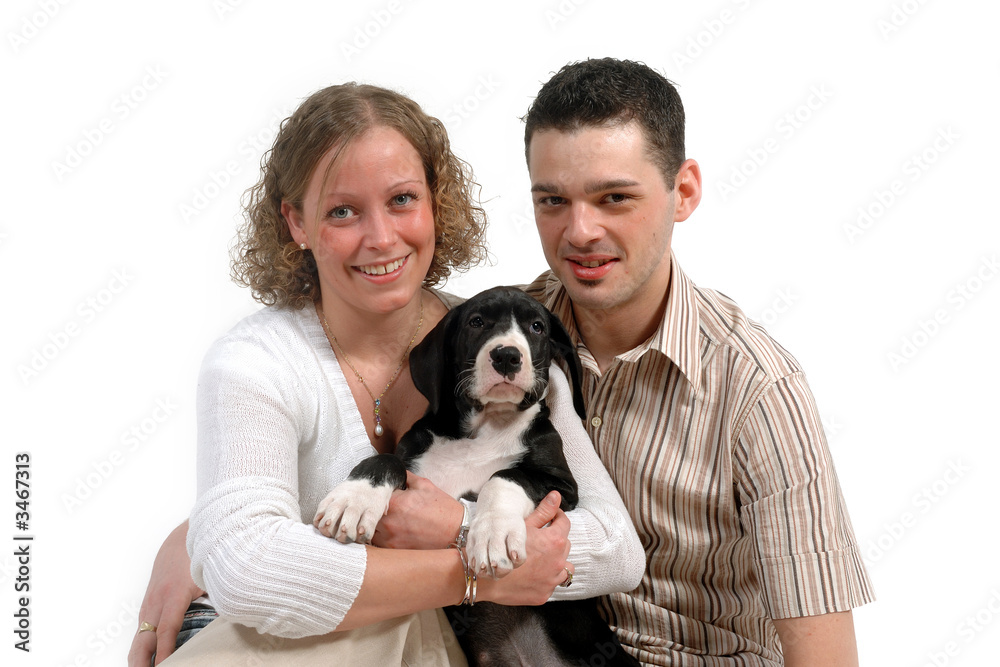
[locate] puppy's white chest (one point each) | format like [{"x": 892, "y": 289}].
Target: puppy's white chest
[{"x": 462, "y": 466}]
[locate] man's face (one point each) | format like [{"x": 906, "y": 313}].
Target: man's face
[{"x": 604, "y": 214}]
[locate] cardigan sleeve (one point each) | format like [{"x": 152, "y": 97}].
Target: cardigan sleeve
[
  {"x": 604, "y": 547},
  {"x": 261, "y": 562}
]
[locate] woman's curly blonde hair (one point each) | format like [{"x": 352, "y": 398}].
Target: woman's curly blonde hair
[{"x": 271, "y": 264}]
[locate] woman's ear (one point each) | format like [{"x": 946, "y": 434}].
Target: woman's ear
[{"x": 296, "y": 224}]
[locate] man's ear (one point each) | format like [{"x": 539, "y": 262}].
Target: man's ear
[
  {"x": 296, "y": 223},
  {"x": 687, "y": 190}
]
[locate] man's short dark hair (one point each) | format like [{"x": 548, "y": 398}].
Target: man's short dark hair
[{"x": 608, "y": 92}]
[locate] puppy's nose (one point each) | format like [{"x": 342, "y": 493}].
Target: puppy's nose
[{"x": 506, "y": 360}]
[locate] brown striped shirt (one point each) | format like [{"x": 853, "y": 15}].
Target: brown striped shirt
[{"x": 711, "y": 435}]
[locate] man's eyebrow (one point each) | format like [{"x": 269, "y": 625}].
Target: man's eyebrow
[
  {"x": 614, "y": 184},
  {"x": 590, "y": 188}
]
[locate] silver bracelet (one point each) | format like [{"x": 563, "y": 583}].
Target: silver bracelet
[{"x": 463, "y": 531}]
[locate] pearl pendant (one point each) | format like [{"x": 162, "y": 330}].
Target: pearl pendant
[{"x": 378, "y": 430}]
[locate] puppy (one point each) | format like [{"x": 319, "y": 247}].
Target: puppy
[{"x": 486, "y": 436}]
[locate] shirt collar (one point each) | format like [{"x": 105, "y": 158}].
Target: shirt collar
[{"x": 676, "y": 337}]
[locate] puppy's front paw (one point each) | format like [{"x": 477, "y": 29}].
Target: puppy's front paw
[
  {"x": 352, "y": 510},
  {"x": 496, "y": 543}
]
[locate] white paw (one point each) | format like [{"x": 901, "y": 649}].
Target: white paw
[
  {"x": 496, "y": 542},
  {"x": 497, "y": 533},
  {"x": 352, "y": 510}
]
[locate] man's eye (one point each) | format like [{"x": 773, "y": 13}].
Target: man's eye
[
  {"x": 476, "y": 322},
  {"x": 617, "y": 198},
  {"x": 537, "y": 327}
]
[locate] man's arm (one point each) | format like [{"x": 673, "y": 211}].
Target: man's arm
[{"x": 826, "y": 640}]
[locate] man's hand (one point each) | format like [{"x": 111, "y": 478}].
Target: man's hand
[
  {"x": 168, "y": 595},
  {"x": 421, "y": 517}
]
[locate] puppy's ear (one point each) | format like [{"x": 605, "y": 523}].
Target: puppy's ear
[
  {"x": 432, "y": 370},
  {"x": 563, "y": 347}
]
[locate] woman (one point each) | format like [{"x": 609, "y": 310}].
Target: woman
[{"x": 361, "y": 209}]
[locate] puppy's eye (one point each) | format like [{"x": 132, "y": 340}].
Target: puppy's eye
[
  {"x": 476, "y": 322},
  {"x": 537, "y": 327}
]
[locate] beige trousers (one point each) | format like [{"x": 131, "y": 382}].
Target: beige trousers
[{"x": 419, "y": 640}]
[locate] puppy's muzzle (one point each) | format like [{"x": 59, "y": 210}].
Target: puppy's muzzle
[{"x": 506, "y": 360}]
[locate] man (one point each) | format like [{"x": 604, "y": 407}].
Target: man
[{"x": 706, "y": 424}]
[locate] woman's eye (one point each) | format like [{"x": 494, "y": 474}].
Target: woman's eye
[
  {"x": 403, "y": 199},
  {"x": 340, "y": 212},
  {"x": 537, "y": 327},
  {"x": 476, "y": 322}
]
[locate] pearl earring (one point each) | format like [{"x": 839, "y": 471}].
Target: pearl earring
[{"x": 302, "y": 245}]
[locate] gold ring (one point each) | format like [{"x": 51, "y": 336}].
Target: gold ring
[
  {"x": 144, "y": 626},
  {"x": 569, "y": 578}
]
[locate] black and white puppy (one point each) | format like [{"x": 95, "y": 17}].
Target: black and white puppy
[{"x": 486, "y": 436}]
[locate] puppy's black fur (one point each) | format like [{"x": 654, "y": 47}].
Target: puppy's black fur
[{"x": 449, "y": 367}]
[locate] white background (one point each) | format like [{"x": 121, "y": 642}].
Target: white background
[{"x": 115, "y": 265}]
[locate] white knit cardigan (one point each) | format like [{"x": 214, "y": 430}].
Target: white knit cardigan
[{"x": 278, "y": 428}]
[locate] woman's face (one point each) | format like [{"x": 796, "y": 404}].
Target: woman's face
[{"x": 369, "y": 223}]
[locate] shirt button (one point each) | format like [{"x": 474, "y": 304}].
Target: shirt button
[{"x": 596, "y": 422}]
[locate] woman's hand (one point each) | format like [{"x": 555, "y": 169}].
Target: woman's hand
[
  {"x": 545, "y": 566},
  {"x": 421, "y": 517},
  {"x": 168, "y": 595}
]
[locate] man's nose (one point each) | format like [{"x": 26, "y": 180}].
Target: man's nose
[{"x": 583, "y": 227}]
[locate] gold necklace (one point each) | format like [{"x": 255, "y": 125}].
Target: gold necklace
[{"x": 378, "y": 400}]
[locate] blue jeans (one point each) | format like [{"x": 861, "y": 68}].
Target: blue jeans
[{"x": 196, "y": 617}]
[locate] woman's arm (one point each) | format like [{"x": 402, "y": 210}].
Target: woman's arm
[
  {"x": 261, "y": 565},
  {"x": 606, "y": 550},
  {"x": 168, "y": 595},
  {"x": 400, "y": 582}
]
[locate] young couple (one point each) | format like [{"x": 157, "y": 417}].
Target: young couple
[{"x": 700, "y": 429}]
